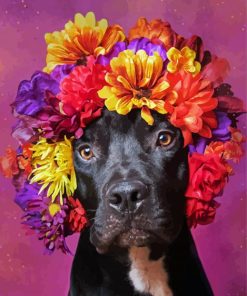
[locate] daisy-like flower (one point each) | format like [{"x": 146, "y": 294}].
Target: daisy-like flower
[
  {"x": 85, "y": 36},
  {"x": 136, "y": 81},
  {"x": 48, "y": 219},
  {"x": 53, "y": 168},
  {"x": 156, "y": 30},
  {"x": 183, "y": 59}
]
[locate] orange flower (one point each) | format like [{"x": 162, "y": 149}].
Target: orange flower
[
  {"x": 85, "y": 36},
  {"x": 230, "y": 150},
  {"x": 156, "y": 29},
  {"x": 183, "y": 59},
  {"x": 24, "y": 160},
  {"x": 215, "y": 148},
  {"x": 136, "y": 81},
  {"x": 191, "y": 109},
  {"x": 8, "y": 163},
  {"x": 236, "y": 135}
]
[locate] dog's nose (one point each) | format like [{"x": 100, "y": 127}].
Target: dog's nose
[{"x": 126, "y": 195}]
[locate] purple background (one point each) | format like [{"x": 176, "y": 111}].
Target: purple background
[{"x": 24, "y": 270}]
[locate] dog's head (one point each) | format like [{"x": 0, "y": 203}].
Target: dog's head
[{"x": 131, "y": 180}]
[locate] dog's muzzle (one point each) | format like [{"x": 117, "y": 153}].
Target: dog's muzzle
[{"x": 126, "y": 196}]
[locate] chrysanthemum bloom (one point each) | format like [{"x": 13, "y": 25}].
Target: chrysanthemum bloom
[
  {"x": 136, "y": 81},
  {"x": 156, "y": 30},
  {"x": 79, "y": 91},
  {"x": 85, "y": 36},
  {"x": 53, "y": 168},
  {"x": 182, "y": 59},
  {"x": 192, "y": 109}
]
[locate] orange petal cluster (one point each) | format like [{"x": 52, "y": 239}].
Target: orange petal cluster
[
  {"x": 136, "y": 81},
  {"x": 156, "y": 30},
  {"x": 231, "y": 150},
  {"x": 85, "y": 36},
  {"x": 192, "y": 107},
  {"x": 8, "y": 163}
]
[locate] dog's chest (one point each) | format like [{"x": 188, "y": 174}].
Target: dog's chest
[{"x": 148, "y": 276}]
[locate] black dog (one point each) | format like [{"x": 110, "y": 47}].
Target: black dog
[{"x": 131, "y": 179}]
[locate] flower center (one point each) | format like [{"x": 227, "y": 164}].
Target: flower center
[
  {"x": 143, "y": 93},
  {"x": 82, "y": 61}
]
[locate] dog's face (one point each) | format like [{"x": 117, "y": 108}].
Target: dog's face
[{"x": 131, "y": 180}]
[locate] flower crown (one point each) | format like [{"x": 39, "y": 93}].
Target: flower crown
[{"x": 91, "y": 65}]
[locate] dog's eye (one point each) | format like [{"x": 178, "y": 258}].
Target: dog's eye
[
  {"x": 86, "y": 152},
  {"x": 164, "y": 139}
]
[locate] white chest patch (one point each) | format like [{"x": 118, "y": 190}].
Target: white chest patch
[{"x": 148, "y": 276}]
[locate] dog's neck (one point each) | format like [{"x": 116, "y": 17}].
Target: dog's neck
[{"x": 177, "y": 270}]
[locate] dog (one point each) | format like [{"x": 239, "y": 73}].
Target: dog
[{"x": 131, "y": 179}]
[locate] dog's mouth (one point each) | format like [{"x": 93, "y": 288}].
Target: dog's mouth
[
  {"x": 124, "y": 238},
  {"x": 134, "y": 237}
]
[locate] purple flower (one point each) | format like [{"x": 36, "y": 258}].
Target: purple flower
[
  {"x": 221, "y": 133},
  {"x": 31, "y": 93},
  {"x": 134, "y": 45},
  {"x": 27, "y": 193},
  {"x": 48, "y": 220},
  {"x": 61, "y": 71},
  {"x": 31, "y": 100}
]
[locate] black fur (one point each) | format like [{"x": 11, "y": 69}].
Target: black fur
[{"x": 150, "y": 180}]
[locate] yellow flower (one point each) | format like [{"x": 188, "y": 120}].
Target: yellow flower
[
  {"x": 136, "y": 81},
  {"x": 53, "y": 168},
  {"x": 184, "y": 59},
  {"x": 85, "y": 36}
]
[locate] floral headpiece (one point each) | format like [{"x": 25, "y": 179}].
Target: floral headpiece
[{"x": 91, "y": 66}]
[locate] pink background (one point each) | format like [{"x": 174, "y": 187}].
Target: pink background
[{"x": 24, "y": 270}]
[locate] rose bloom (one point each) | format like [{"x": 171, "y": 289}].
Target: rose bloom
[
  {"x": 208, "y": 176},
  {"x": 200, "y": 212}
]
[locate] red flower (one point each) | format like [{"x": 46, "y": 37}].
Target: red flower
[
  {"x": 208, "y": 176},
  {"x": 79, "y": 91},
  {"x": 200, "y": 212},
  {"x": 77, "y": 215},
  {"x": 191, "y": 106},
  {"x": 8, "y": 163},
  {"x": 54, "y": 124}
]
